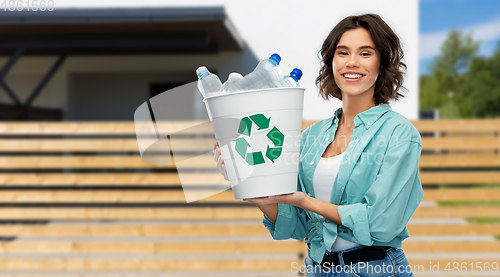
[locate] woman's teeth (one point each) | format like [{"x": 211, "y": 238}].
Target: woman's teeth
[{"x": 353, "y": 76}]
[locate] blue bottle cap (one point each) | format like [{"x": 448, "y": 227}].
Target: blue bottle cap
[
  {"x": 202, "y": 71},
  {"x": 296, "y": 74},
  {"x": 275, "y": 58}
]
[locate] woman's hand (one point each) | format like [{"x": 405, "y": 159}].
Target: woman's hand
[
  {"x": 295, "y": 199},
  {"x": 220, "y": 161}
]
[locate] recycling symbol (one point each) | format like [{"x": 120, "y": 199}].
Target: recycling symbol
[{"x": 245, "y": 128}]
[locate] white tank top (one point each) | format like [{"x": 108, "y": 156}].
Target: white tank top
[{"x": 324, "y": 176}]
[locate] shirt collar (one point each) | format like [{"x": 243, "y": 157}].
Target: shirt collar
[{"x": 368, "y": 117}]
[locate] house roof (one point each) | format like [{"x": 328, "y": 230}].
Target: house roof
[{"x": 110, "y": 31}]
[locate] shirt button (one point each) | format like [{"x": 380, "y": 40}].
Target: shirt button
[
  {"x": 312, "y": 162},
  {"x": 367, "y": 123},
  {"x": 356, "y": 138}
]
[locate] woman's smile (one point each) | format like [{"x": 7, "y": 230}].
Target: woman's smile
[{"x": 352, "y": 77}]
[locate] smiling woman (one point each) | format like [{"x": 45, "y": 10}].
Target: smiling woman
[
  {"x": 358, "y": 182},
  {"x": 368, "y": 44}
]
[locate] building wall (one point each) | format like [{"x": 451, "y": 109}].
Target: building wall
[
  {"x": 296, "y": 30},
  {"x": 116, "y": 95},
  {"x": 293, "y": 29},
  {"x": 105, "y": 80}
]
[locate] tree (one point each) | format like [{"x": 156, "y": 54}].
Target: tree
[
  {"x": 443, "y": 90},
  {"x": 456, "y": 54},
  {"x": 482, "y": 88}
]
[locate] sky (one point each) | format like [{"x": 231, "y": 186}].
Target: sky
[{"x": 437, "y": 18}]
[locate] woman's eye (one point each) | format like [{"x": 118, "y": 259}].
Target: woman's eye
[
  {"x": 365, "y": 54},
  {"x": 342, "y": 53}
]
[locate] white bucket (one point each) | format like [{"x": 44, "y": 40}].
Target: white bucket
[{"x": 259, "y": 135}]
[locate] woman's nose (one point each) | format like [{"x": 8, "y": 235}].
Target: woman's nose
[{"x": 352, "y": 63}]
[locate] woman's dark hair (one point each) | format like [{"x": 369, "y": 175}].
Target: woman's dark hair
[{"x": 388, "y": 45}]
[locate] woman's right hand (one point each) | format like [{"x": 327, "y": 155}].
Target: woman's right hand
[{"x": 220, "y": 161}]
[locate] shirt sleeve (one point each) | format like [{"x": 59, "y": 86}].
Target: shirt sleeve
[
  {"x": 391, "y": 200},
  {"x": 291, "y": 221}
]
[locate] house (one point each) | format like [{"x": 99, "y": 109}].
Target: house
[{"x": 86, "y": 64}]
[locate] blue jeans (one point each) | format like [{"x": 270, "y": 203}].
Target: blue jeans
[{"x": 395, "y": 264}]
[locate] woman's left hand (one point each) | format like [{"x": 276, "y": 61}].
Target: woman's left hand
[{"x": 295, "y": 199}]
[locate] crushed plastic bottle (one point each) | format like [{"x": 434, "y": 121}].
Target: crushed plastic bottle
[
  {"x": 227, "y": 87},
  {"x": 263, "y": 76}
]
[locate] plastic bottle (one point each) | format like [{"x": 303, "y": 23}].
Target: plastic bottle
[
  {"x": 227, "y": 87},
  {"x": 208, "y": 83},
  {"x": 292, "y": 80},
  {"x": 264, "y": 74},
  {"x": 267, "y": 64}
]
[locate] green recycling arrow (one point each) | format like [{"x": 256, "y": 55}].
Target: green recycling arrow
[
  {"x": 276, "y": 137},
  {"x": 245, "y": 126},
  {"x": 273, "y": 153},
  {"x": 241, "y": 146},
  {"x": 251, "y": 158},
  {"x": 261, "y": 121},
  {"x": 255, "y": 158}
]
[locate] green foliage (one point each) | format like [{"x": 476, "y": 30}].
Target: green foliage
[
  {"x": 430, "y": 97},
  {"x": 483, "y": 86},
  {"x": 468, "y": 203},
  {"x": 482, "y": 220},
  {"x": 463, "y": 85},
  {"x": 455, "y": 57}
]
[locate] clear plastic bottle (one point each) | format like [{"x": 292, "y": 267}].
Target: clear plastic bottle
[
  {"x": 264, "y": 74},
  {"x": 227, "y": 87},
  {"x": 292, "y": 80},
  {"x": 208, "y": 83},
  {"x": 270, "y": 63}
]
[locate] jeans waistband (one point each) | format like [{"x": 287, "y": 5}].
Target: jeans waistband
[{"x": 353, "y": 255}]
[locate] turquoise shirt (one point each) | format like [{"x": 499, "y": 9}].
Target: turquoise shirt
[{"x": 377, "y": 187}]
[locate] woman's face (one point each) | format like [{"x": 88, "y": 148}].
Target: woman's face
[{"x": 356, "y": 63}]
